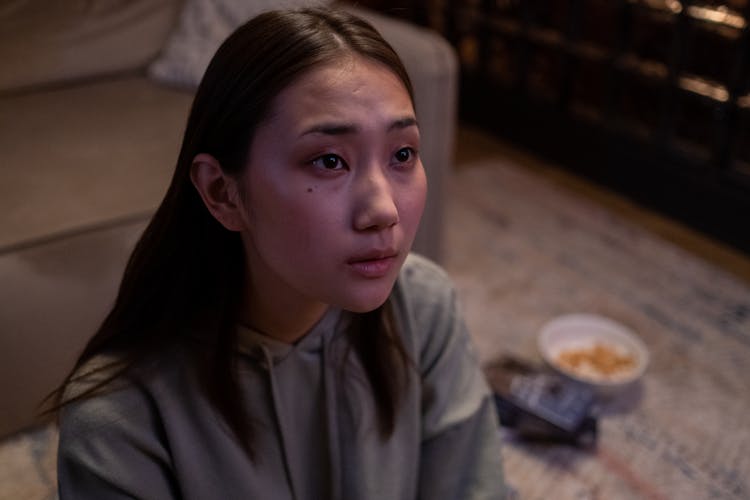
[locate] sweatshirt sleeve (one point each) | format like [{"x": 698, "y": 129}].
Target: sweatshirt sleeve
[
  {"x": 460, "y": 455},
  {"x": 110, "y": 448}
]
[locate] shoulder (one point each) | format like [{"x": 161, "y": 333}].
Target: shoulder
[
  {"x": 425, "y": 302},
  {"x": 99, "y": 396},
  {"x": 102, "y": 396},
  {"x": 421, "y": 269},
  {"x": 424, "y": 281},
  {"x": 93, "y": 376},
  {"x": 453, "y": 387},
  {"x": 104, "y": 414},
  {"x": 112, "y": 439}
]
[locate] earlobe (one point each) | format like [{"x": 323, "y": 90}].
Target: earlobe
[{"x": 219, "y": 191}]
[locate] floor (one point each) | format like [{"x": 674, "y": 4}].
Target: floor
[
  {"x": 474, "y": 144},
  {"x": 528, "y": 243}
]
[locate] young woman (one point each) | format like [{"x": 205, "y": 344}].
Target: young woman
[{"x": 272, "y": 337}]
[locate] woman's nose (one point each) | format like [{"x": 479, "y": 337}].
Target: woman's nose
[{"x": 375, "y": 206}]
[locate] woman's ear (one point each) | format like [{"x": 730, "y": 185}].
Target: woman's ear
[{"x": 219, "y": 191}]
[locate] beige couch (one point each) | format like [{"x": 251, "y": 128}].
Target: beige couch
[{"x": 87, "y": 145}]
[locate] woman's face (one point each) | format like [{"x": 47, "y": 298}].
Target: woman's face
[{"x": 334, "y": 189}]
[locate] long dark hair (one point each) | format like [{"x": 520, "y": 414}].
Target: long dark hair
[{"x": 184, "y": 280}]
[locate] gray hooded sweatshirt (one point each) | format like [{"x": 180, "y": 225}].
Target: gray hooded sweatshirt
[{"x": 315, "y": 425}]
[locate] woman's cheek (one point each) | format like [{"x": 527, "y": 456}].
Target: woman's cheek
[{"x": 418, "y": 192}]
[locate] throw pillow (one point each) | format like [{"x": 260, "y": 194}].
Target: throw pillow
[{"x": 202, "y": 27}]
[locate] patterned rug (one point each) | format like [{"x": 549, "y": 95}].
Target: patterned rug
[{"x": 523, "y": 251}]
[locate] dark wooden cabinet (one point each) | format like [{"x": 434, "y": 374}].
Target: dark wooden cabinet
[{"x": 649, "y": 97}]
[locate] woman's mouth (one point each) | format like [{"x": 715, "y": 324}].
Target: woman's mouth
[{"x": 373, "y": 265}]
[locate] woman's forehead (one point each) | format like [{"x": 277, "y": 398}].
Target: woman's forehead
[{"x": 344, "y": 87}]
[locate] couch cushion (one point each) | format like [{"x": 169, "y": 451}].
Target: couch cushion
[
  {"x": 44, "y": 42},
  {"x": 202, "y": 27},
  {"x": 53, "y": 297},
  {"x": 84, "y": 155}
]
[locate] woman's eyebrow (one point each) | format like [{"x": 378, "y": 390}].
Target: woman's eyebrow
[
  {"x": 401, "y": 123},
  {"x": 333, "y": 128}
]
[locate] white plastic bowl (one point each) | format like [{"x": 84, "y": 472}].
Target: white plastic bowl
[{"x": 584, "y": 331}]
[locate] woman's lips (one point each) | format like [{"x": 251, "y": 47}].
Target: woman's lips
[{"x": 373, "y": 267}]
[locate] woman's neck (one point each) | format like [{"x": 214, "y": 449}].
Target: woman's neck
[{"x": 282, "y": 321}]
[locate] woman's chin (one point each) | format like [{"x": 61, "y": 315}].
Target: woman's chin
[{"x": 366, "y": 302}]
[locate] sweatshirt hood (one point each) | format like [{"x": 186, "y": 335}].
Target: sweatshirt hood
[
  {"x": 271, "y": 354},
  {"x": 263, "y": 348}
]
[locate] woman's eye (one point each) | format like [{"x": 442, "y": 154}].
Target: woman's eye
[
  {"x": 404, "y": 155},
  {"x": 329, "y": 162}
]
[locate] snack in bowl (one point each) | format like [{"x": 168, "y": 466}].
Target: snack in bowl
[
  {"x": 599, "y": 362},
  {"x": 593, "y": 350}
]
